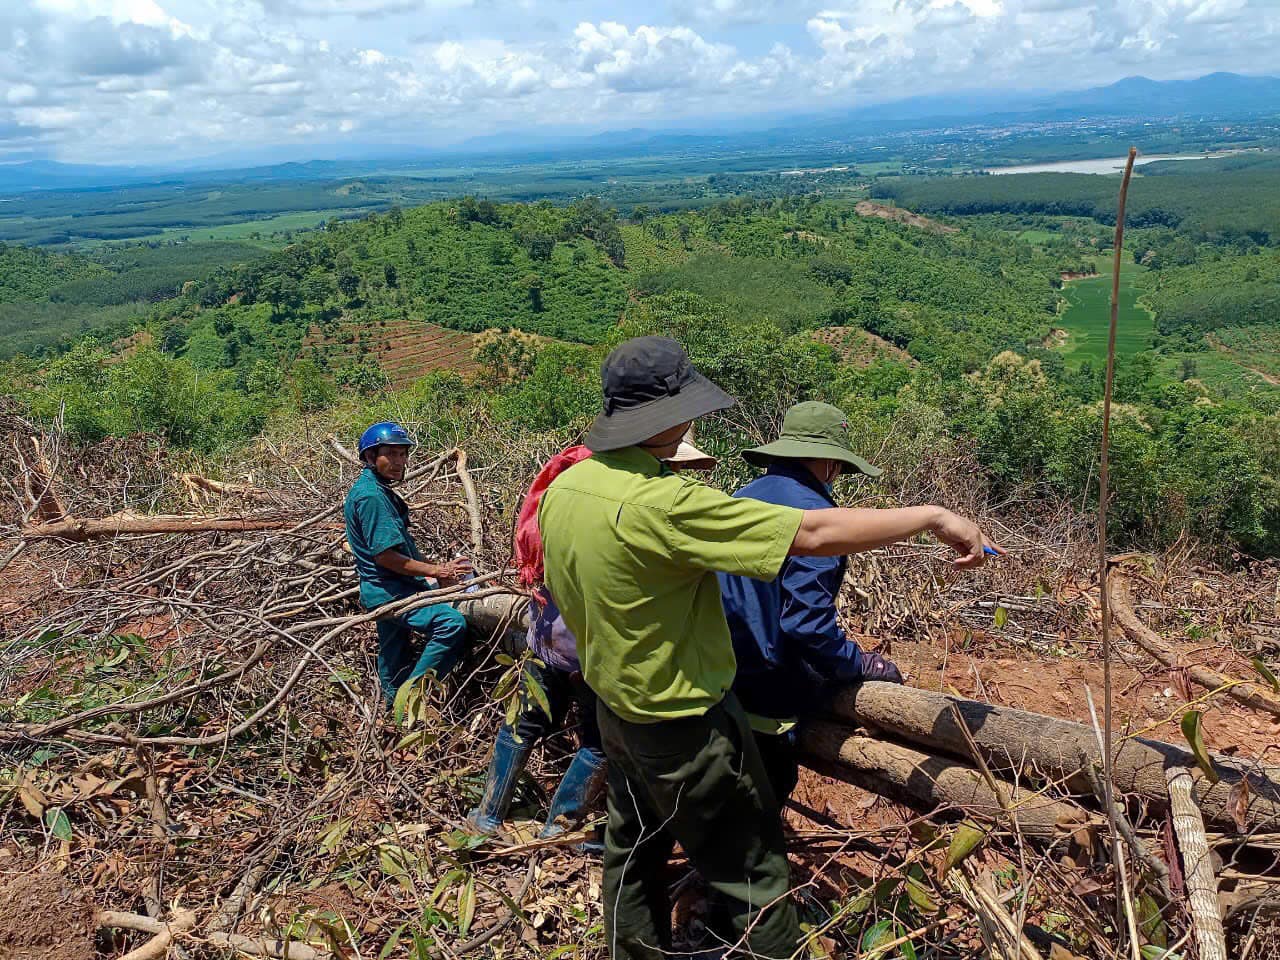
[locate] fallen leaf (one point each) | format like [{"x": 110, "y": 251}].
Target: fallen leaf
[
  {"x": 1180, "y": 679},
  {"x": 33, "y": 799},
  {"x": 1238, "y": 805},
  {"x": 965, "y": 840},
  {"x": 1085, "y": 886}
]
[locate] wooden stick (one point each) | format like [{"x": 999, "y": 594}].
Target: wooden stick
[
  {"x": 120, "y": 524},
  {"x": 164, "y": 932},
  {"x": 1108, "y": 784},
  {"x": 473, "y": 501},
  {"x": 268, "y": 947},
  {"x": 1197, "y": 866},
  {"x": 1117, "y": 857}
]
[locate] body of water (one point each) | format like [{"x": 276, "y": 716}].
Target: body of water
[{"x": 1106, "y": 165}]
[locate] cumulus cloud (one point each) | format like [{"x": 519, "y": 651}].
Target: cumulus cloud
[
  {"x": 100, "y": 48},
  {"x": 647, "y": 58},
  {"x": 110, "y": 80}
]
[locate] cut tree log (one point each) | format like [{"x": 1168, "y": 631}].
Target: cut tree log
[
  {"x": 1018, "y": 742},
  {"x": 1013, "y": 742},
  {"x": 124, "y": 524},
  {"x": 929, "y": 781},
  {"x": 1250, "y": 694},
  {"x": 508, "y": 612},
  {"x": 1197, "y": 866}
]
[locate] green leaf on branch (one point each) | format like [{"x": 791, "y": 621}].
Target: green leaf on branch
[
  {"x": 538, "y": 694},
  {"x": 1001, "y": 618},
  {"x": 877, "y": 933},
  {"x": 1265, "y": 672},
  {"x": 918, "y": 892},
  {"x": 1151, "y": 921},
  {"x": 1191, "y": 729}
]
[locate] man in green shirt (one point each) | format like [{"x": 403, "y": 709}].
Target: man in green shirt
[
  {"x": 631, "y": 556},
  {"x": 391, "y": 568}
]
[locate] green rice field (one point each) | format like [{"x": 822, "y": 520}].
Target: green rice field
[{"x": 1088, "y": 315}]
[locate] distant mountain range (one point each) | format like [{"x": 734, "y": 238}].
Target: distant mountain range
[{"x": 1216, "y": 95}]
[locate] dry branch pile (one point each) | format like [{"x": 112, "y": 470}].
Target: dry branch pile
[{"x": 191, "y": 731}]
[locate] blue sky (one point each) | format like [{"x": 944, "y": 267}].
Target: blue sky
[{"x": 150, "y": 81}]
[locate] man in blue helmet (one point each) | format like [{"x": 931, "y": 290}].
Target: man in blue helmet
[{"x": 391, "y": 568}]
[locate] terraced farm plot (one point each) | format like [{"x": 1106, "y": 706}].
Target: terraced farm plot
[
  {"x": 859, "y": 347},
  {"x": 404, "y": 349},
  {"x": 1088, "y": 316}
]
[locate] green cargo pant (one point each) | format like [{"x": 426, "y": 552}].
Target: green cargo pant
[{"x": 698, "y": 781}]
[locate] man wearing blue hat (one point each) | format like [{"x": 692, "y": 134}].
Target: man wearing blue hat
[{"x": 391, "y": 568}]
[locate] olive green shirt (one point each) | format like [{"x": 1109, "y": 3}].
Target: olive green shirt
[{"x": 631, "y": 553}]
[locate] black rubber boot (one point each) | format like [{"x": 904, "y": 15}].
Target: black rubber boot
[
  {"x": 582, "y": 784},
  {"x": 509, "y": 758}
]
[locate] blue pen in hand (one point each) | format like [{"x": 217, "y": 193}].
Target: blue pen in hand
[{"x": 989, "y": 552}]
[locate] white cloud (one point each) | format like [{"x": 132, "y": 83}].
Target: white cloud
[
  {"x": 141, "y": 80},
  {"x": 647, "y": 58},
  {"x": 21, "y": 93},
  {"x": 736, "y": 11},
  {"x": 356, "y": 8}
]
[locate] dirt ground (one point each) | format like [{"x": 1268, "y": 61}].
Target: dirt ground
[
  {"x": 869, "y": 208},
  {"x": 43, "y": 917}
]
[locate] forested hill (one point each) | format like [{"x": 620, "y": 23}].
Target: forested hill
[
  {"x": 264, "y": 341},
  {"x": 565, "y": 273},
  {"x": 27, "y": 273},
  {"x": 1225, "y": 200}
]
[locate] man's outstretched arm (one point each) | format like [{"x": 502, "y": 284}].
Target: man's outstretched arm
[{"x": 838, "y": 531}]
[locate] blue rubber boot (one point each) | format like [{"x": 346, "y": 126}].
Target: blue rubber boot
[
  {"x": 509, "y": 758},
  {"x": 581, "y": 785}
]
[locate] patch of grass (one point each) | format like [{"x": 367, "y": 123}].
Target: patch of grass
[
  {"x": 1221, "y": 373},
  {"x": 1088, "y": 315}
]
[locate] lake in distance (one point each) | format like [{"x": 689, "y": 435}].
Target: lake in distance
[{"x": 1106, "y": 165}]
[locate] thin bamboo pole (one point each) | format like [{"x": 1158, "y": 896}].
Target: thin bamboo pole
[{"x": 1104, "y": 589}]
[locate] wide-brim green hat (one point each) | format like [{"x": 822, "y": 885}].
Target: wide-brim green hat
[{"x": 811, "y": 431}]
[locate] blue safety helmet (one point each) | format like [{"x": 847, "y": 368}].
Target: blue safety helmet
[{"x": 386, "y": 432}]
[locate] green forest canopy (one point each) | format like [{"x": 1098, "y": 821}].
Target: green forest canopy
[{"x": 742, "y": 283}]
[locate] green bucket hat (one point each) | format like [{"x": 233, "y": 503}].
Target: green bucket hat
[{"x": 811, "y": 431}]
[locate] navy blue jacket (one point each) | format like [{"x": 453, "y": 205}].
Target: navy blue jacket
[{"x": 786, "y": 635}]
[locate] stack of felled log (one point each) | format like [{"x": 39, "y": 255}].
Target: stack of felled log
[{"x": 928, "y": 750}]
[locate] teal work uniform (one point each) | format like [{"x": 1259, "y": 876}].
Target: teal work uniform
[{"x": 377, "y": 520}]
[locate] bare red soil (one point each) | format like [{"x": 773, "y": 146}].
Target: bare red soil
[{"x": 404, "y": 349}]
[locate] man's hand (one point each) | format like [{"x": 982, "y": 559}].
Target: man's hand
[
  {"x": 964, "y": 537},
  {"x": 876, "y": 666},
  {"x": 460, "y": 568},
  {"x": 447, "y": 573}
]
